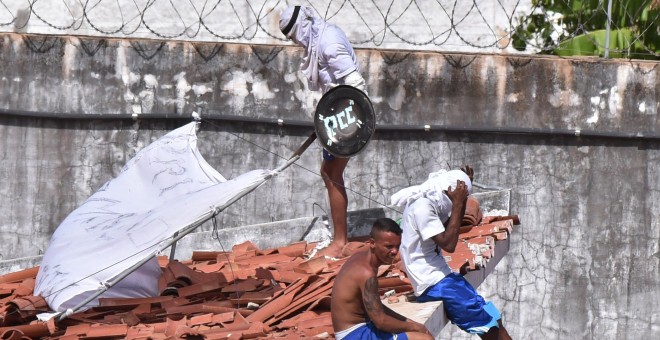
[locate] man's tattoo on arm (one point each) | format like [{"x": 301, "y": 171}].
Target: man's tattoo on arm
[{"x": 370, "y": 296}]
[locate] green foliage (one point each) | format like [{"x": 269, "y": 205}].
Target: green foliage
[{"x": 580, "y": 28}]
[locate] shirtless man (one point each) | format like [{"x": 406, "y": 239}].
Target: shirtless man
[{"x": 357, "y": 312}]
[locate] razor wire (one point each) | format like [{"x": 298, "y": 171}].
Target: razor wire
[
  {"x": 449, "y": 24},
  {"x": 514, "y": 26}
]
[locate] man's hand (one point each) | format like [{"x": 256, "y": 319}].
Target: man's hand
[
  {"x": 469, "y": 171},
  {"x": 460, "y": 194}
]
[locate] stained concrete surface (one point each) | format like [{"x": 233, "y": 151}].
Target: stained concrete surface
[{"x": 585, "y": 262}]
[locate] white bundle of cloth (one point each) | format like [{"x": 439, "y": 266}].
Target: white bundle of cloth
[{"x": 434, "y": 188}]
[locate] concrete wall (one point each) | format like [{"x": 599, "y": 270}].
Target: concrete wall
[{"x": 585, "y": 262}]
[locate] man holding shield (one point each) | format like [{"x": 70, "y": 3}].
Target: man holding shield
[{"x": 328, "y": 60}]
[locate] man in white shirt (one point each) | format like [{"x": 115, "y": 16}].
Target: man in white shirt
[
  {"x": 431, "y": 221},
  {"x": 328, "y": 60}
]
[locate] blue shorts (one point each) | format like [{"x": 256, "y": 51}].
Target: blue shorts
[
  {"x": 370, "y": 332},
  {"x": 464, "y": 307},
  {"x": 327, "y": 156}
]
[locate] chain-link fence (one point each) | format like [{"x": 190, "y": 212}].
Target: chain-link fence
[{"x": 614, "y": 28}]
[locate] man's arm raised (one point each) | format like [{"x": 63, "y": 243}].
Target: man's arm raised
[{"x": 447, "y": 239}]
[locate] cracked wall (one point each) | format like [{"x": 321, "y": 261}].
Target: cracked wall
[{"x": 585, "y": 262}]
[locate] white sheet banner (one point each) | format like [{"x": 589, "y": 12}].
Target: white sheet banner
[{"x": 163, "y": 189}]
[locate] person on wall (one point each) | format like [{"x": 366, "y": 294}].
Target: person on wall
[{"x": 328, "y": 60}]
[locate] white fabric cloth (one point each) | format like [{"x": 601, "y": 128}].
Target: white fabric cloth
[
  {"x": 433, "y": 188},
  {"x": 427, "y": 210},
  {"x": 163, "y": 189},
  {"x": 328, "y": 55},
  {"x": 342, "y": 334}
]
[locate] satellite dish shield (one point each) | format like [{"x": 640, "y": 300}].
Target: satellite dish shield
[{"x": 344, "y": 121}]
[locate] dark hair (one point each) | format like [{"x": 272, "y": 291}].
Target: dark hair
[{"x": 385, "y": 225}]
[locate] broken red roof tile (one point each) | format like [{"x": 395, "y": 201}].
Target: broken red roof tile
[
  {"x": 243, "y": 248},
  {"x": 233, "y": 272},
  {"x": 201, "y": 288},
  {"x": 314, "y": 266},
  {"x": 144, "y": 332},
  {"x": 248, "y": 285},
  {"x": 25, "y": 288},
  {"x": 223, "y": 318},
  {"x": 256, "y": 330},
  {"x": 202, "y": 319},
  {"x": 132, "y": 302},
  {"x": 265, "y": 259},
  {"x": 513, "y": 218},
  {"x": 383, "y": 269},
  {"x": 269, "y": 309},
  {"x": 183, "y": 331},
  {"x": 200, "y": 255},
  {"x": 171, "y": 326},
  {"x": 255, "y": 297},
  {"x": 79, "y": 329},
  {"x": 285, "y": 265},
  {"x": 262, "y": 273},
  {"x": 353, "y": 247},
  {"x": 20, "y": 276},
  {"x": 206, "y": 267},
  {"x": 289, "y": 276},
  {"x": 218, "y": 307},
  {"x": 105, "y": 331},
  {"x": 320, "y": 332},
  {"x": 301, "y": 302},
  {"x": 502, "y": 235},
  {"x": 322, "y": 302},
  {"x": 288, "y": 296},
  {"x": 322, "y": 320},
  {"x": 32, "y": 330},
  {"x": 162, "y": 261},
  {"x": 473, "y": 213},
  {"x": 294, "y": 250}
]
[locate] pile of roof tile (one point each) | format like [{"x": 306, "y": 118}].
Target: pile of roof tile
[{"x": 246, "y": 293}]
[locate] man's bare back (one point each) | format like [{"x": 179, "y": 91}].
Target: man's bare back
[
  {"x": 347, "y": 306},
  {"x": 355, "y": 298}
]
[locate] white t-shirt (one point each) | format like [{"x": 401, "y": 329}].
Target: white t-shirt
[
  {"x": 425, "y": 266},
  {"x": 336, "y": 57}
]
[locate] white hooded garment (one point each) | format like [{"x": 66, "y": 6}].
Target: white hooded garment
[
  {"x": 166, "y": 187},
  {"x": 328, "y": 59}
]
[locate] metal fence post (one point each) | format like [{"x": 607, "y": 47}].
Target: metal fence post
[{"x": 607, "y": 28}]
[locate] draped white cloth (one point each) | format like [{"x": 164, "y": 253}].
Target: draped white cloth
[
  {"x": 433, "y": 188},
  {"x": 328, "y": 56},
  {"x": 166, "y": 187}
]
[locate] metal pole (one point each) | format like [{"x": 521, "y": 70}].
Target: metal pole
[
  {"x": 173, "y": 249},
  {"x": 607, "y": 28}
]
